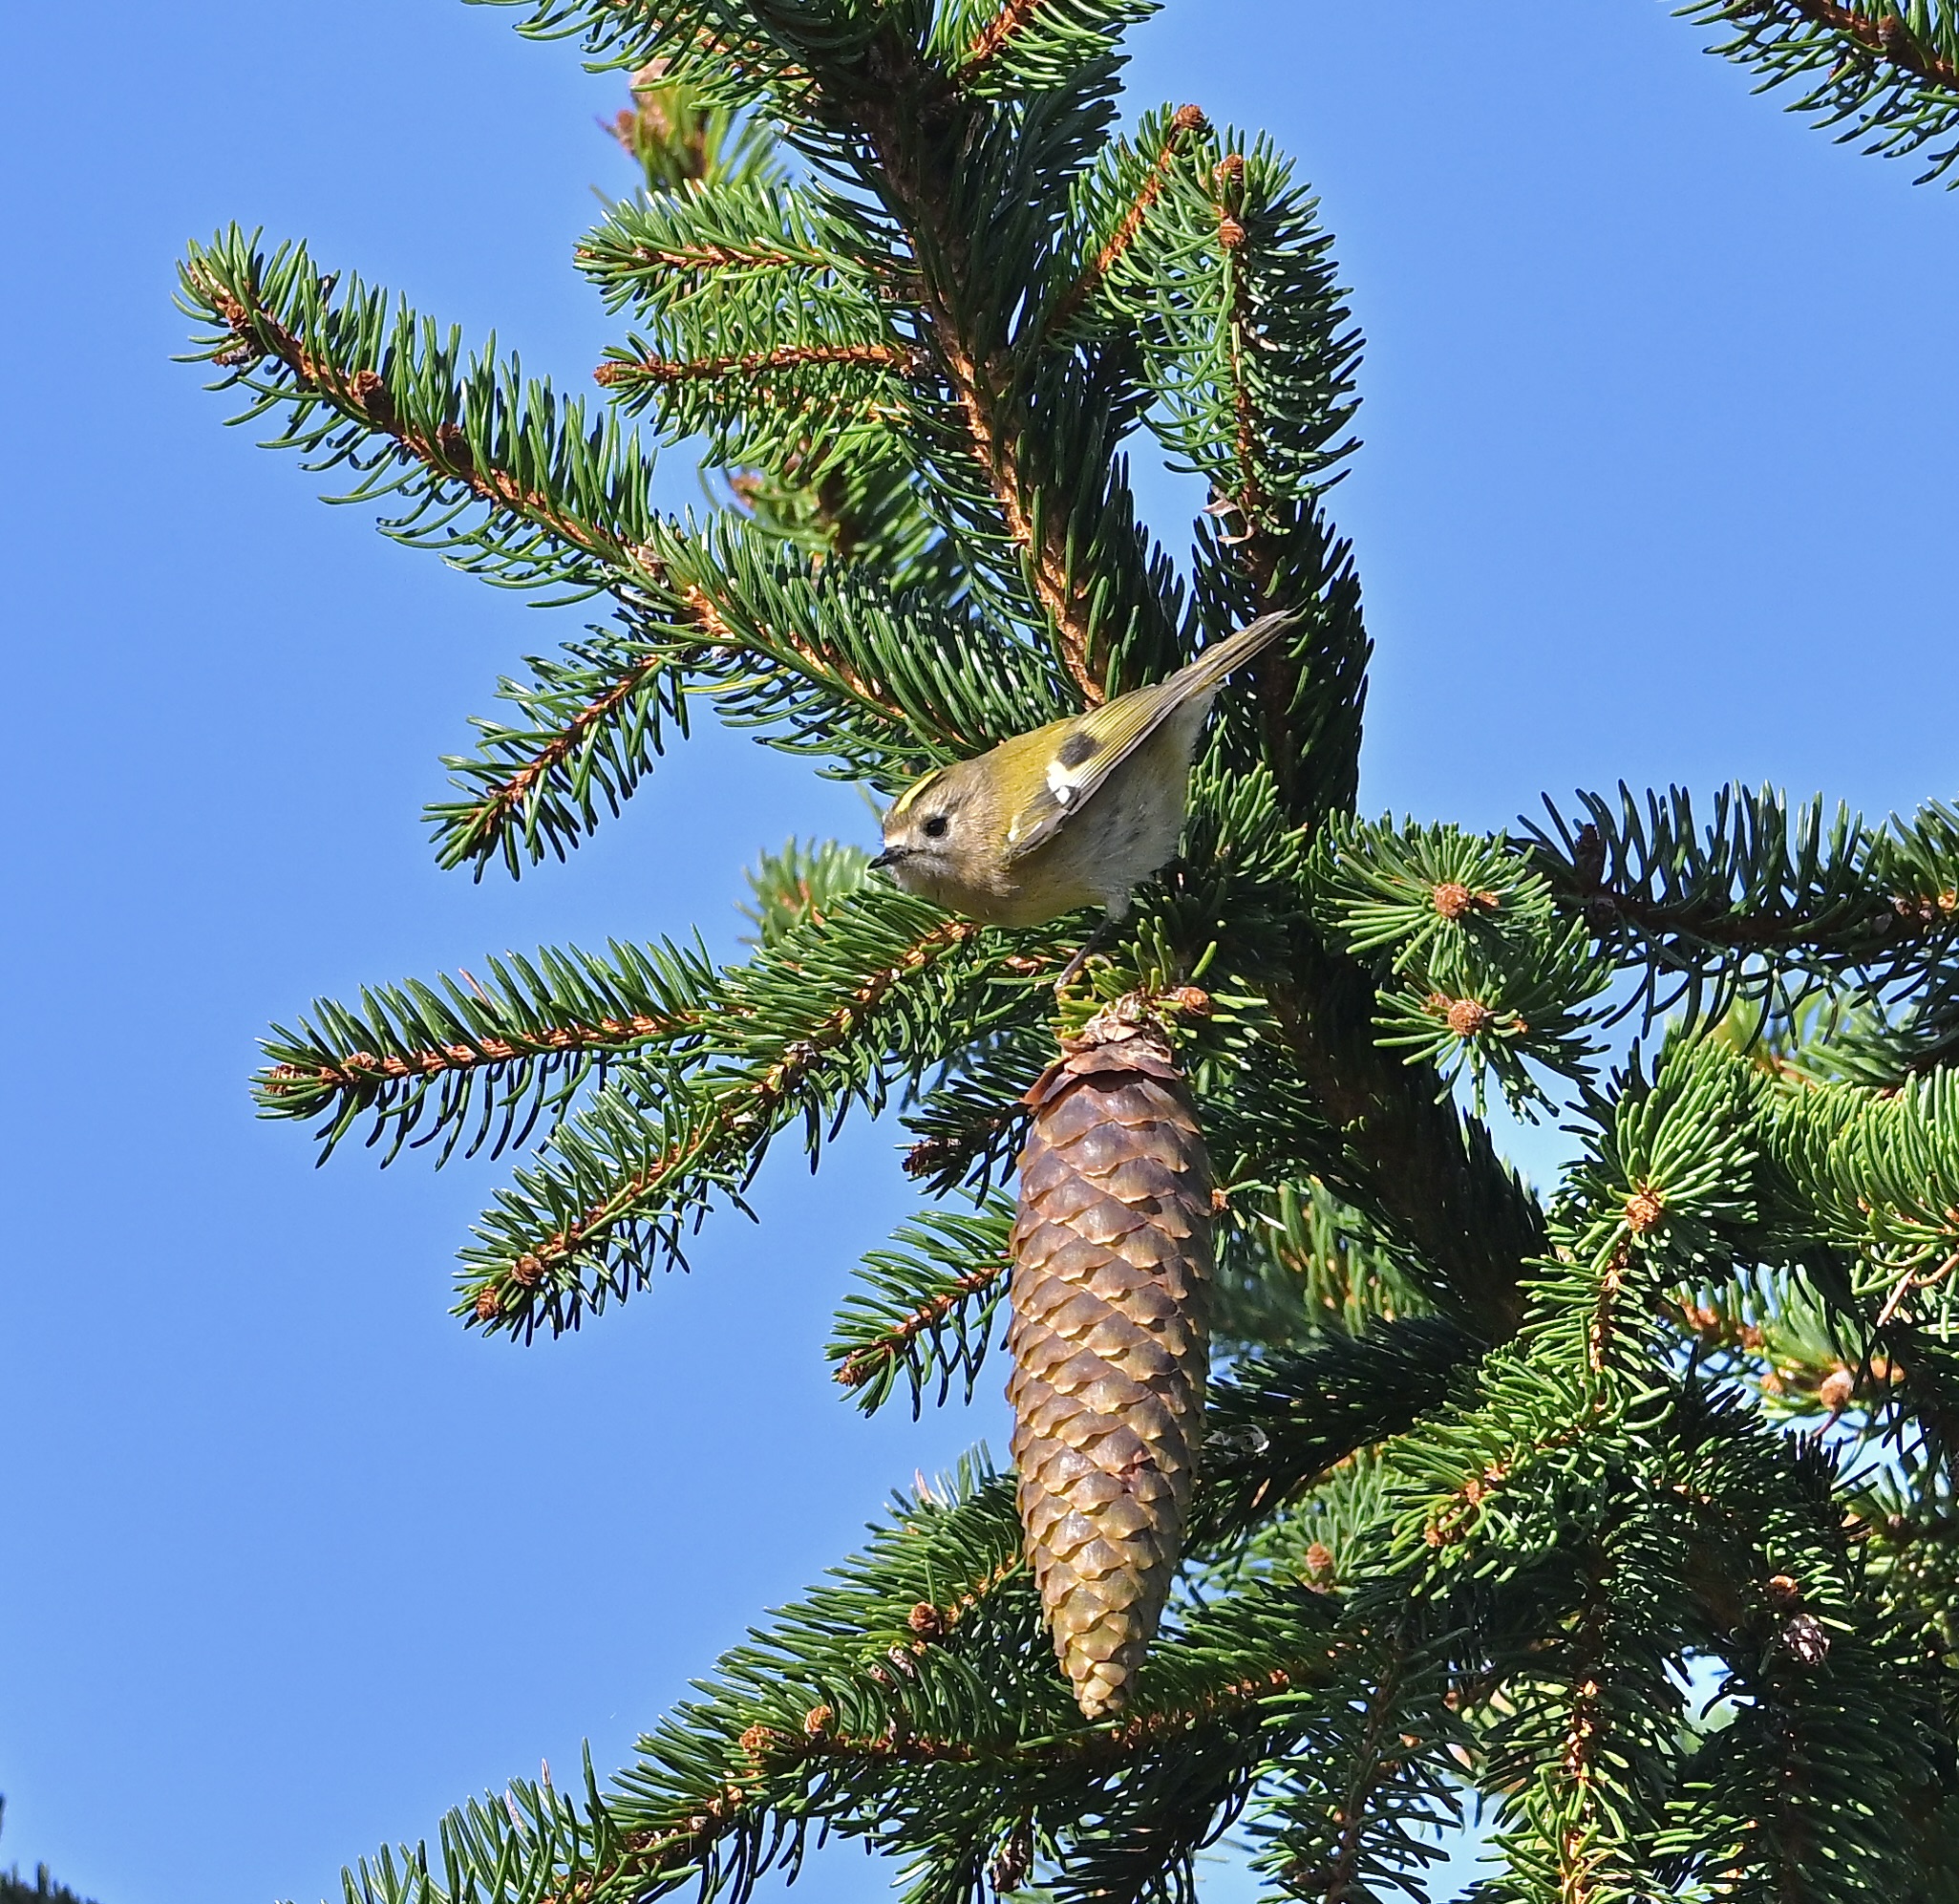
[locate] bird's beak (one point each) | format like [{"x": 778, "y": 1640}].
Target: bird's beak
[{"x": 889, "y": 857}]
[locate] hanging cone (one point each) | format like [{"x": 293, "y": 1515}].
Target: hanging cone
[{"x": 1112, "y": 1262}]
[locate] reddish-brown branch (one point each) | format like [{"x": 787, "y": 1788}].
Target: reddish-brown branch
[
  {"x": 1011, "y": 17},
  {"x": 815, "y": 662},
  {"x": 1585, "y": 1731},
  {"x": 499, "y": 800},
  {"x": 1714, "y": 922},
  {"x": 1188, "y": 119},
  {"x": 1248, "y": 501},
  {"x": 1888, "y": 37},
  {"x": 764, "y": 1750},
  {"x": 355, "y": 1070},
  {"x": 684, "y": 258},
  {"x": 982, "y": 371},
  {"x": 1100, "y": 1745},
  {"x": 508, "y": 795},
  {"x": 791, "y": 357},
  {"x": 364, "y": 395},
  {"x": 980, "y": 384},
  {"x": 1253, "y": 545},
  {"x": 931, "y": 1155},
  {"x": 744, "y": 1111},
  {"x": 1598, "y": 1341},
  {"x": 855, "y": 1369},
  {"x": 1335, "y": 1877}
]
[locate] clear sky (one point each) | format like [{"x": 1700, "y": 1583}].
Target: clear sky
[{"x": 1657, "y": 386}]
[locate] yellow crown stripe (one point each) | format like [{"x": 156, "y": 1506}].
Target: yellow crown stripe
[{"x": 904, "y": 801}]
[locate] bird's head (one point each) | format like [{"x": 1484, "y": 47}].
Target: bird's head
[{"x": 935, "y": 832}]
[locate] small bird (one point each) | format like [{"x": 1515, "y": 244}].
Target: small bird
[{"x": 1080, "y": 812}]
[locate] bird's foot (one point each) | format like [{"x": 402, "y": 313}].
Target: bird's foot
[{"x": 1091, "y": 945}]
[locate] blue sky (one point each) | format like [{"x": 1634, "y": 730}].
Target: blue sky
[{"x": 1655, "y": 389}]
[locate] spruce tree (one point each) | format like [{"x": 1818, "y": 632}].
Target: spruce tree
[{"x": 1624, "y": 1511}]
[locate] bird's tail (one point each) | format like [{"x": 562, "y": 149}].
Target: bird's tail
[{"x": 1207, "y": 671}]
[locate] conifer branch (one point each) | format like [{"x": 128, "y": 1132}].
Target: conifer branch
[
  {"x": 1365, "y": 1781},
  {"x": 876, "y": 1357},
  {"x": 499, "y": 813},
  {"x": 1013, "y": 16},
  {"x": 1184, "y": 122},
  {"x": 1247, "y": 496},
  {"x": 1582, "y": 1861},
  {"x": 502, "y": 813},
  {"x": 985, "y": 378},
  {"x": 623, "y": 1179},
  {"x": 980, "y": 380},
  {"x": 925, "y": 1306},
  {"x": 507, "y": 1052},
  {"x": 608, "y": 262},
  {"x": 1255, "y": 549},
  {"x": 833, "y": 670},
  {"x": 452, "y": 435},
  {"x": 896, "y": 1682},
  {"x": 1472, "y": 1487},
  {"x": 1369, "y": 1772},
  {"x": 1432, "y": 1178},
  {"x": 1280, "y": 1424},
  {"x": 1104, "y": 1744},
  {"x": 626, "y": 372},
  {"x": 821, "y": 663},
  {"x": 362, "y": 396},
  {"x": 1890, "y": 72},
  {"x": 1758, "y": 896},
  {"x": 1887, "y": 35}
]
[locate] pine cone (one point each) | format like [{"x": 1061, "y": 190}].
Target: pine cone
[{"x": 1111, "y": 1261}]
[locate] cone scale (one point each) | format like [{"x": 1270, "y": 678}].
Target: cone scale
[{"x": 1109, "y": 1339}]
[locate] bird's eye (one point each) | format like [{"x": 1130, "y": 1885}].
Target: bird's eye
[{"x": 934, "y": 828}]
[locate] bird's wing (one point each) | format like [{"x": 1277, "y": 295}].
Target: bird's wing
[{"x": 1087, "y": 750}]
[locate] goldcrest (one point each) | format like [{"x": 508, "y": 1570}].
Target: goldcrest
[{"x": 1077, "y": 813}]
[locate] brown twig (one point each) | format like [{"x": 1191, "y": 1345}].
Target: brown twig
[
  {"x": 818, "y": 665},
  {"x": 980, "y": 382},
  {"x": 499, "y": 800},
  {"x": 355, "y": 1070},
  {"x": 1188, "y": 119},
  {"x": 1598, "y": 1337},
  {"x": 1914, "y": 1279},
  {"x": 1011, "y": 17},
  {"x": 1253, "y": 546},
  {"x": 1334, "y": 1878},
  {"x": 1585, "y": 1723},
  {"x": 1109, "y": 1744},
  {"x": 932, "y": 1156},
  {"x": 768, "y": 1749},
  {"x": 742, "y": 1112},
  {"x": 364, "y": 395},
  {"x": 855, "y": 1369},
  {"x": 689, "y": 258},
  {"x": 1888, "y": 37},
  {"x": 502, "y": 798},
  {"x": 899, "y": 94},
  {"x": 1250, "y": 500},
  {"x": 790, "y": 356},
  {"x": 1871, "y": 927}
]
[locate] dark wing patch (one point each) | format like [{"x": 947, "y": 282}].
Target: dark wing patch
[{"x": 1079, "y": 747}]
